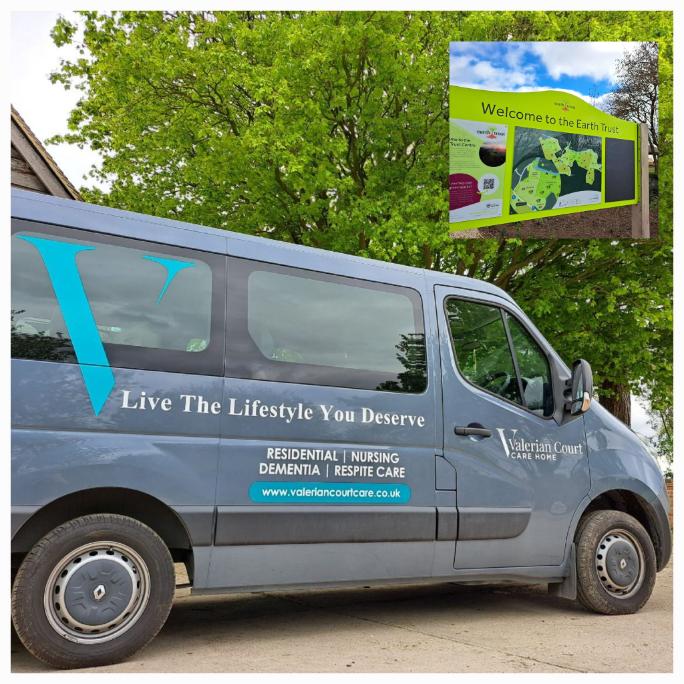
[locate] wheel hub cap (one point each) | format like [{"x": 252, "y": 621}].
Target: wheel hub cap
[
  {"x": 619, "y": 563},
  {"x": 622, "y": 563},
  {"x": 97, "y": 592}
]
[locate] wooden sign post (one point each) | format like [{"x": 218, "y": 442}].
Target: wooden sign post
[{"x": 641, "y": 226}]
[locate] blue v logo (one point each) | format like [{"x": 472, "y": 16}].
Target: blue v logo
[{"x": 60, "y": 261}]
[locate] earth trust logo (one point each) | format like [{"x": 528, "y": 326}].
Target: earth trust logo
[
  {"x": 491, "y": 133},
  {"x": 564, "y": 105}
]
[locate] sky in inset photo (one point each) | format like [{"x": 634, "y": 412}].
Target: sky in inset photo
[{"x": 587, "y": 70}]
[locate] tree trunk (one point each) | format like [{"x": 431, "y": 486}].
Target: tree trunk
[
  {"x": 616, "y": 397},
  {"x": 427, "y": 256}
]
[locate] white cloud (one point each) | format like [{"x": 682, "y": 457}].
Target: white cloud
[
  {"x": 593, "y": 59},
  {"x": 514, "y": 54},
  {"x": 471, "y": 72},
  {"x": 503, "y": 67}
]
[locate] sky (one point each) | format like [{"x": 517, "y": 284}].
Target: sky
[
  {"x": 583, "y": 69},
  {"x": 587, "y": 69},
  {"x": 45, "y": 107}
]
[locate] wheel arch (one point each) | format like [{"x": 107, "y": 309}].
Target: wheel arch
[
  {"x": 635, "y": 504},
  {"x": 119, "y": 500}
]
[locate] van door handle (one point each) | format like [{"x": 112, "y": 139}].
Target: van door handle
[{"x": 474, "y": 430}]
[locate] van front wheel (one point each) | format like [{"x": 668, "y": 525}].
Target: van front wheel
[
  {"x": 93, "y": 591},
  {"x": 616, "y": 564}
]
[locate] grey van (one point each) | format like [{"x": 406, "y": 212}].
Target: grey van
[{"x": 275, "y": 416}]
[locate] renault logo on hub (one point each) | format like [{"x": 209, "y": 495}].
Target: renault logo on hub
[{"x": 519, "y": 448}]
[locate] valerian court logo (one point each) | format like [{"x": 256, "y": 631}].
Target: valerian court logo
[
  {"x": 521, "y": 449},
  {"x": 59, "y": 258}
]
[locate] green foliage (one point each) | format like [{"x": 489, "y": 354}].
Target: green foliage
[
  {"x": 331, "y": 129},
  {"x": 662, "y": 441}
]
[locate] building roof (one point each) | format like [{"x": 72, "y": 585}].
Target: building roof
[{"x": 33, "y": 168}]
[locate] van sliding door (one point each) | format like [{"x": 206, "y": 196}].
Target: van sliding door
[{"x": 328, "y": 434}]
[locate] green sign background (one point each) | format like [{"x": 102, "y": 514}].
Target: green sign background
[{"x": 539, "y": 115}]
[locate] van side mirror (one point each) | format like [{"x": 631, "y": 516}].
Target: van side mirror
[{"x": 581, "y": 387}]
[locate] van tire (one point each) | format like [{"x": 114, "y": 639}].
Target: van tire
[
  {"x": 616, "y": 563},
  {"x": 134, "y": 579}
]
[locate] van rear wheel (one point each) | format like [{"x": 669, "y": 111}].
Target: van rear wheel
[
  {"x": 93, "y": 591},
  {"x": 616, "y": 563}
]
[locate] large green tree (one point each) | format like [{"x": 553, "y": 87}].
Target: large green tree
[{"x": 331, "y": 129}]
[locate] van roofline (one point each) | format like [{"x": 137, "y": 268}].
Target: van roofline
[{"x": 37, "y": 207}]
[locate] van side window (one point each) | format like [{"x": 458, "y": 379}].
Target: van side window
[
  {"x": 293, "y": 325},
  {"x": 151, "y": 304},
  {"x": 535, "y": 373},
  {"x": 481, "y": 347}
]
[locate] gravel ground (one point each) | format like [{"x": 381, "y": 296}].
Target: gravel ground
[{"x": 417, "y": 628}]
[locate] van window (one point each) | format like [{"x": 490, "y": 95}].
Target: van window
[
  {"x": 152, "y": 306},
  {"x": 481, "y": 347},
  {"x": 293, "y": 325},
  {"x": 494, "y": 351},
  {"x": 535, "y": 373}
]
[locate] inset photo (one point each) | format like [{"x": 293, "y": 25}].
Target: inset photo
[{"x": 553, "y": 140}]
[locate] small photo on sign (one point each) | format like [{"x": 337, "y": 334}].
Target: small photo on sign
[{"x": 492, "y": 154}]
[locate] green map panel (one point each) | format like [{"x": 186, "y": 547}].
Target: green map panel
[{"x": 554, "y": 170}]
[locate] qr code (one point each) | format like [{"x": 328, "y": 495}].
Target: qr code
[{"x": 488, "y": 184}]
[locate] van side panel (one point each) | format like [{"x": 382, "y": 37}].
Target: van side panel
[
  {"x": 214, "y": 467},
  {"x": 171, "y": 456},
  {"x": 238, "y": 568}
]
